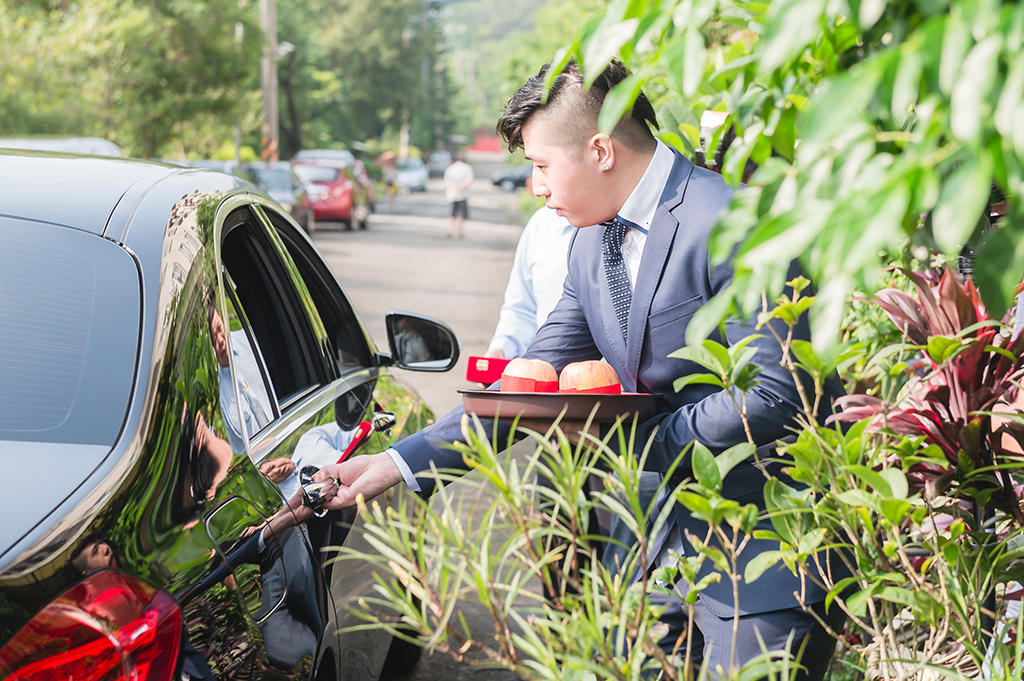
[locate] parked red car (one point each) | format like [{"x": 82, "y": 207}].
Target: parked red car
[{"x": 336, "y": 193}]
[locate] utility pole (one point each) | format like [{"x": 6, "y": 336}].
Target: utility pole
[{"x": 268, "y": 80}]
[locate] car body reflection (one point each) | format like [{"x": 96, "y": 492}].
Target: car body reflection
[{"x": 189, "y": 352}]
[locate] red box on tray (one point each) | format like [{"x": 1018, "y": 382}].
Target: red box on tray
[{"x": 486, "y": 369}]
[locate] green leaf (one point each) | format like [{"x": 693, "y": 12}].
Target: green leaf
[
  {"x": 858, "y": 497},
  {"x": 812, "y": 540},
  {"x": 997, "y": 265},
  {"x": 674, "y": 58},
  {"x": 697, "y": 354},
  {"x": 705, "y": 468},
  {"x": 708, "y": 317},
  {"x": 699, "y": 506},
  {"x": 895, "y": 510},
  {"x": 941, "y": 348},
  {"x": 906, "y": 87},
  {"x": 618, "y": 101},
  {"x": 684, "y": 381},
  {"x": 857, "y": 603},
  {"x": 751, "y": 514},
  {"x": 605, "y": 44},
  {"x": 728, "y": 459},
  {"x": 962, "y": 199},
  {"x": 693, "y": 62},
  {"x": 897, "y": 481},
  {"x": 973, "y": 90},
  {"x": 955, "y": 41},
  {"x": 807, "y": 358},
  {"x": 759, "y": 564},
  {"x": 791, "y": 26},
  {"x": 897, "y": 595}
]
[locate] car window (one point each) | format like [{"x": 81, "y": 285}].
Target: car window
[
  {"x": 349, "y": 348},
  {"x": 317, "y": 173},
  {"x": 247, "y": 399},
  {"x": 272, "y": 178},
  {"x": 69, "y": 334},
  {"x": 265, "y": 296},
  {"x": 410, "y": 164}
]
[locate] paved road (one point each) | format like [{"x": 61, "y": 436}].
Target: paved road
[{"x": 405, "y": 262}]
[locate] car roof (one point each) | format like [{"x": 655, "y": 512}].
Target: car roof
[
  {"x": 341, "y": 155},
  {"x": 77, "y": 145},
  {"x": 90, "y": 193}
]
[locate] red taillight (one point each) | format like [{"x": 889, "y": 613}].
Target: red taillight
[{"x": 109, "y": 626}]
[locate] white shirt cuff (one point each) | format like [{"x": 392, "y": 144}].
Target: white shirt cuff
[{"x": 404, "y": 469}]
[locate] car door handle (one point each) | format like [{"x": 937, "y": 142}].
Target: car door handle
[{"x": 383, "y": 422}]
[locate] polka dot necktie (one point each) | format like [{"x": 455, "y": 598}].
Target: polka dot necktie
[{"x": 615, "y": 270}]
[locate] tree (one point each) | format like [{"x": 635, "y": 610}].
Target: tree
[
  {"x": 79, "y": 70},
  {"x": 863, "y": 116},
  {"x": 377, "y": 65}
]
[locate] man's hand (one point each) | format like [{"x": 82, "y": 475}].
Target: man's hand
[
  {"x": 493, "y": 352},
  {"x": 277, "y": 469},
  {"x": 368, "y": 475}
]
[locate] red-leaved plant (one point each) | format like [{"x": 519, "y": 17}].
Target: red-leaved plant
[{"x": 967, "y": 366}]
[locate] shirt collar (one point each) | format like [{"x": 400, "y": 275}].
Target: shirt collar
[{"x": 639, "y": 208}]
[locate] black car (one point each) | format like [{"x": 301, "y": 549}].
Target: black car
[
  {"x": 510, "y": 179},
  {"x": 176, "y": 360}
]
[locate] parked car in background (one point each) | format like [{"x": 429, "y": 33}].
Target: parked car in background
[
  {"x": 337, "y": 192},
  {"x": 341, "y": 156},
  {"x": 438, "y": 162},
  {"x": 283, "y": 185},
  {"x": 412, "y": 175},
  {"x": 73, "y": 145},
  {"x": 221, "y": 165},
  {"x": 188, "y": 354},
  {"x": 510, "y": 179}
]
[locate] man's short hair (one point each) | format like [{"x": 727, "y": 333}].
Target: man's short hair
[{"x": 577, "y": 107}]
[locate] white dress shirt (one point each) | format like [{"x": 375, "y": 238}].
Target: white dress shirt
[
  {"x": 535, "y": 283},
  {"x": 640, "y": 206},
  {"x": 637, "y": 211},
  {"x": 318, "y": 447},
  {"x": 251, "y": 403}
]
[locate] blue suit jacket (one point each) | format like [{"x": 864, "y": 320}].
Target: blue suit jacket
[{"x": 675, "y": 279}]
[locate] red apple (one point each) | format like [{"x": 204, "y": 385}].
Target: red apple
[
  {"x": 529, "y": 376},
  {"x": 592, "y": 376}
]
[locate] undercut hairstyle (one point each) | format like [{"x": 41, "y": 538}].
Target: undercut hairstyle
[{"x": 576, "y": 108}]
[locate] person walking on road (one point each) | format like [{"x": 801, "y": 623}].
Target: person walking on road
[{"x": 457, "y": 179}]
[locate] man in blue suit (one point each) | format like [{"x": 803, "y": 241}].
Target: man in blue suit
[{"x": 638, "y": 269}]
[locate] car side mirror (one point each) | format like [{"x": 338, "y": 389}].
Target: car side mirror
[{"x": 419, "y": 343}]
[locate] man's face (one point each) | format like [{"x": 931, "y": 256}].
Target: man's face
[
  {"x": 568, "y": 178},
  {"x": 219, "y": 338}
]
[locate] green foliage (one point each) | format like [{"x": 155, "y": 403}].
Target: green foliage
[
  {"x": 517, "y": 539},
  {"x": 173, "y": 78},
  {"x": 78, "y": 70},
  {"x": 861, "y": 117}
]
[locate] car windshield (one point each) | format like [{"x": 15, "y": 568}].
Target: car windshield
[
  {"x": 69, "y": 329},
  {"x": 272, "y": 178},
  {"x": 317, "y": 173}
]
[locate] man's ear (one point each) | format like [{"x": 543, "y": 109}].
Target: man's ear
[{"x": 602, "y": 149}]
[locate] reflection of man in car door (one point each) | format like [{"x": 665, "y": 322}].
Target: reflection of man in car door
[
  {"x": 251, "y": 402},
  {"x": 410, "y": 342}
]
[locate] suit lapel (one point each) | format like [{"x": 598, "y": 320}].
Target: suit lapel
[{"x": 652, "y": 263}]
